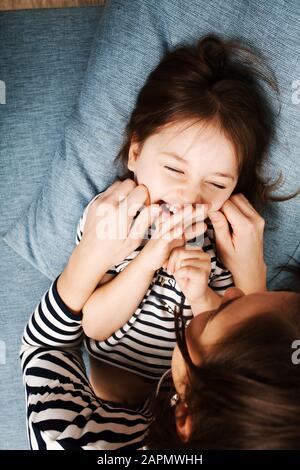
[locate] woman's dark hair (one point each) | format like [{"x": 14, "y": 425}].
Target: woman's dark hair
[
  {"x": 215, "y": 82},
  {"x": 245, "y": 394}
]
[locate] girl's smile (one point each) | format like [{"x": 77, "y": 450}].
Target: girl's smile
[{"x": 185, "y": 163}]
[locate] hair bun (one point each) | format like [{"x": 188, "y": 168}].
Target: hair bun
[{"x": 213, "y": 53}]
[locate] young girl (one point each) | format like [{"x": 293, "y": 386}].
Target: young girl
[{"x": 199, "y": 133}]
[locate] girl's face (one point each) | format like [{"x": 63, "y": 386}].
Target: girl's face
[{"x": 182, "y": 165}]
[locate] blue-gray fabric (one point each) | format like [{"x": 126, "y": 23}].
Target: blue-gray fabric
[{"x": 43, "y": 57}]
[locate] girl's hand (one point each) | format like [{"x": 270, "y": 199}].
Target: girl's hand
[
  {"x": 171, "y": 232},
  {"x": 110, "y": 233},
  {"x": 241, "y": 248},
  {"x": 191, "y": 268}
]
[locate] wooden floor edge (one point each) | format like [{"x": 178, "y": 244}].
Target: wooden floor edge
[{"x": 6, "y": 5}]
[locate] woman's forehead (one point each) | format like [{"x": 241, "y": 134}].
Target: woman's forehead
[{"x": 202, "y": 333}]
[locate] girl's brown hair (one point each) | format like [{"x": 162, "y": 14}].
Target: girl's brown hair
[{"x": 215, "y": 82}]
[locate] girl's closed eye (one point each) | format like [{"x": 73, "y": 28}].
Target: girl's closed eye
[
  {"x": 174, "y": 170},
  {"x": 216, "y": 185}
]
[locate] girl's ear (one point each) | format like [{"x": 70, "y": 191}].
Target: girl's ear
[
  {"x": 183, "y": 422},
  {"x": 133, "y": 154}
]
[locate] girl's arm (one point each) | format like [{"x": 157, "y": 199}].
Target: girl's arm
[
  {"x": 62, "y": 409},
  {"x": 52, "y": 324},
  {"x": 112, "y": 304}
]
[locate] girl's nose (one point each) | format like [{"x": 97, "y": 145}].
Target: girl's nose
[{"x": 190, "y": 195}]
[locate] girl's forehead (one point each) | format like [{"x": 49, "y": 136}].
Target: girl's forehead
[
  {"x": 197, "y": 143},
  {"x": 193, "y": 135}
]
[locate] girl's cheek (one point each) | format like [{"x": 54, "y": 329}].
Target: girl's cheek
[{"x": 218, "y": 202}]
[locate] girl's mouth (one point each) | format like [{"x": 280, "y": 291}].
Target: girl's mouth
[{"x": 169, "y": 208}]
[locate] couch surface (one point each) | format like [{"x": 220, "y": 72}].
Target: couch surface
[{"x": 48, "y": 47}]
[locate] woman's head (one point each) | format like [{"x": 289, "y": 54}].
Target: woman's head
[
  {"x": 233, "y": 371},
  {"x": 205, "y": 104}
]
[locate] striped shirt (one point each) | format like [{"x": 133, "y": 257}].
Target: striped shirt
[
  {"x": 62, "y": 409},
  {"x": 144, "y": 344}
]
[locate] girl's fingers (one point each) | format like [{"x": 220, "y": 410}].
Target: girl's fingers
[
  {"x": 170, "y": 265},
  {"x": 185, "y": 254},
  {"x": 172, "y": 260},
  {"x": 196, "y": 263},
  {"x": 188, "y": 272},
  {"x": 184, "y": 218},
  {"x": 195, "y": 230}
]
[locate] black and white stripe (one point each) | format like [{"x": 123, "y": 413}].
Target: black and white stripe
[{"x": 62, "y": 410}]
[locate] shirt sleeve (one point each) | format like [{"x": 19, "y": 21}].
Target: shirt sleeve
[{"x": 62, "y": 409}]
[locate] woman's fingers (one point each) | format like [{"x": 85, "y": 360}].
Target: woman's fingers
[
  {"x": 131, "y": 203},
  {"x": 138, "y": 197},
  {"x": 118, "y": 190},
  {"x": 233, "y": 214},
  {"x": 144, "y": 220},
  {"x": 240, "y": 201},
  {"x": 249, "y": 210},
  {"x": 241, "y": 218},
  {"x": 221, "y": 229}
]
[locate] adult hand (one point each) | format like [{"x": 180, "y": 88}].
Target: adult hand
[
  {"x": 239, "y": 240},
  {"x": 110, "y": 235},
  {"x": 110, "y": 232}
]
